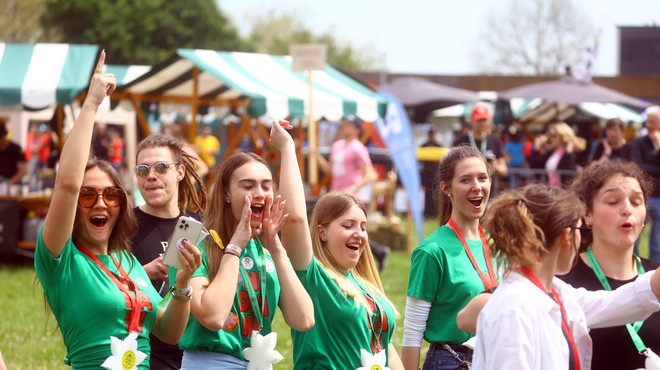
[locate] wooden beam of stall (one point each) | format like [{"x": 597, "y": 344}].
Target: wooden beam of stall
[
  {"x": 142, "y": 120},
  {"x": 194, "y": 106},
  {"x": 236, "y": 139},
  {"x": 118, "y": 95},
  {"x": 59, "y": 122}
]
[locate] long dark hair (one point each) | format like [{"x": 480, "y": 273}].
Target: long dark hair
[{"x": 126, "y": 226}]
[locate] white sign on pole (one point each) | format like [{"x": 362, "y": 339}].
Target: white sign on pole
[{"x": 308, "y": 57}]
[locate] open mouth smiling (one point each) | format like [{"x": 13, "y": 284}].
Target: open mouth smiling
[
  {"x": 476, "y": 201},
  {"x": 98, "y": 221}
]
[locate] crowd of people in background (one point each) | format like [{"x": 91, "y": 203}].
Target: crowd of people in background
[{"x": 514, "y": 211}]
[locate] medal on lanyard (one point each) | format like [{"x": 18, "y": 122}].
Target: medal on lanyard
[
  {"x": 125, "y": 355},
  {"x": 262, "y": 353},
  {"x": 491, "y": 281}
]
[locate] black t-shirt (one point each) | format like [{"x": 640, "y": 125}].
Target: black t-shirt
[
  {"x": 622, "y": 153},
  {"x": 493, "y": 146},
  {"x": 150, "y": 242},
  {"x": 9, "y": 159},
  {"x": 612, "y": 347}
]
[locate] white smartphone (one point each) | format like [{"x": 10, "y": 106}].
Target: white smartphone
[{"x": 186, "y": 228}]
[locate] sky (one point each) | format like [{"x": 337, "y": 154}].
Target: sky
[{"x": 436, "y": 36}]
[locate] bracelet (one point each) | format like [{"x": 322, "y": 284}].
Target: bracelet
[
  {"x": 181, "y": 295},
  {"x": 232, "y": 252}
]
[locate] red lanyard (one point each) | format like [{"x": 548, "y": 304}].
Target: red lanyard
[
  {"x": 127, "y": 286},
  {"x": 491, "y": 281},
  {"x": 529, "y": 274}
]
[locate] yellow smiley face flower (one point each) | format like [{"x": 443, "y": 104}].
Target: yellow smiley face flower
[
  {"x": 125, "y": 355},
  {"x": 373, "y": 362}
]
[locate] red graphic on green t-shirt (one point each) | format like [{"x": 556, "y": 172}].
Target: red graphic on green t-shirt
[
  {"x": 250, "y": 322},
  {"x": 378, "y": 326}
]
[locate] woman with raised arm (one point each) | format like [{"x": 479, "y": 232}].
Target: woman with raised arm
[
  {"x": 246, "y": 273},
  {"x": 99, "y": 293},
  {"x": 354, "y": 320},
  {"x": 451, "y": 266}
]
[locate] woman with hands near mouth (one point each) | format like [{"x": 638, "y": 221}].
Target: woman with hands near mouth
[
  {"x": 246, "y": 273},
  {"x": 99, "y": 293},
  {"x": 451, "y": 266}
]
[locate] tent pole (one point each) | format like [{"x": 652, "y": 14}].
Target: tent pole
[
  {"x": 193, "y": 109},
  {"x": 311, "y": 130},
  {"x": 299, "y": 149}
]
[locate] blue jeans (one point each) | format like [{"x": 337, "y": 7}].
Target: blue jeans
[
  {"x": 440, "y": 359},
  {"x": 201, "y": 360}
]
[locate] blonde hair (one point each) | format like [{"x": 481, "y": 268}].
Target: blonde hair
[
  {"x": 328, "y": 208},
  {"x": 567, "y": 135}
]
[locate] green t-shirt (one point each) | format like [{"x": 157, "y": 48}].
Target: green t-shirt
[
  {"x": 441, "y": 273},
  {"x": 235, "y": 335},
  {"x": 341, "y": 329},
  {"x": 88, "y": 306}
]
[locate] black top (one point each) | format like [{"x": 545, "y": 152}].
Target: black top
[
  {"x": 150, "y": 242},
  {"x": 9, "y": 159},
  {"x": 613, "y": 347},
  {"x": 647, "y": 157},
  {"x": 493, "y": 145},
  {"x": 622, "y": 153}
]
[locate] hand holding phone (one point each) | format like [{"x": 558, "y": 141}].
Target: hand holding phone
[{"x": 186, "y": 228}]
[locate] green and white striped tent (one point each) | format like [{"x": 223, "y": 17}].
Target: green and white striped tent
[
  {"x": 37, "y": 76},
  {"x": 126, "y": 73},
  {"x": 40, "y": 75},
  {"x": 275, "y": 91}
]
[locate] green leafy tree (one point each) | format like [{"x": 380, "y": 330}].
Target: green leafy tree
[
  {"x": 141, "y": 31},
  {"x": 19, "y": 22},
  {"x": 272, "y": 33}
]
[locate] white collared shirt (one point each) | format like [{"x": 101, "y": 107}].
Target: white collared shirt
[{"x": 520, "y": 326}]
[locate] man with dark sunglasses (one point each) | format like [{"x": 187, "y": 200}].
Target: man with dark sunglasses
[{"x": 170, "y": 188}]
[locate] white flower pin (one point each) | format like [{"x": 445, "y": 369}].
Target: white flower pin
[
  {"x": 652, "y": 360},
  {"x": 262, "y": 354},
  {"x": 373, "y": 362},
  {"x": 125, "y": 355}
]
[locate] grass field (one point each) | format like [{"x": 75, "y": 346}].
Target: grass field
[{"x": 30, "y": 340}]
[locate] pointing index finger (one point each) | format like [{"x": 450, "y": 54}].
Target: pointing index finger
[{"x": 101, "y": 62}]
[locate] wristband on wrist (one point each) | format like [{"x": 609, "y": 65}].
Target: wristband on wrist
[{"x": 234, "y": 249}]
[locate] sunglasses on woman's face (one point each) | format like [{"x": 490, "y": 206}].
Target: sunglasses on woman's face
[
  {"x": 142, "y": 170},
  {"x": 112, "y": 197}
]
